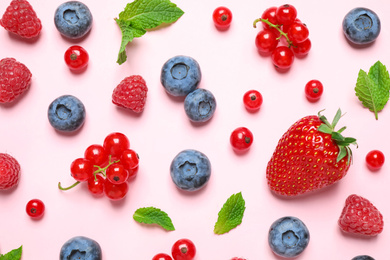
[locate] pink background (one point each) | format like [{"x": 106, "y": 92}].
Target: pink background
[{"x": 230, "y": 65}]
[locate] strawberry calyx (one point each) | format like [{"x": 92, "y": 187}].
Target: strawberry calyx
[{"x": 341, "y": 141}]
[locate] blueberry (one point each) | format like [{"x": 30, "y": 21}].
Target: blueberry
[
  {"x": 73, "y": 19},
  {"x": 363, "y": 257},
  {"x": 200, "y": 105},
  {"x": 66, "y": 113},
  {"x": 288, "y": 237},
  {"x": 361, "y": 26},
  {"x": 190, "y": 170},
  {"x": 81, "y": 248},
  {"x": 180, "y": 75}
]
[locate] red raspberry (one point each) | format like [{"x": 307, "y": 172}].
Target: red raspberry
[
  {"x": 9, "y": 171},
  {"x": 15, "y": 79},
  {"x": 360, "y": 216},
  {"x": 21, "y": 19},
  {"x": 131, "y": 93}
]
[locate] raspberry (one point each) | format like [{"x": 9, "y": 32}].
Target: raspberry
[
  {"x": 9, "y": 171},
  {"x": 360, "y": 216},
  {"x": 131, "y": 93},
  {"x": 21, "y": 19},
  {"x": 15, "y": 79}
]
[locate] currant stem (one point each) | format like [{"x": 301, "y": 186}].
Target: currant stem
[
  {"x": 68, "y": 188},
  {"x": 277, "y": 27}
]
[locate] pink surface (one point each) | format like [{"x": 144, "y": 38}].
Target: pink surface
[{"x": 230, "y": 65}]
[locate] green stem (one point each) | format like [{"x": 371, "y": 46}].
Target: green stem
[
  {"x": 68, "y": 188},
  {"x": 277, "y": 27}
]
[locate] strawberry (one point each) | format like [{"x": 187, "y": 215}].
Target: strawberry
[
  {"x": 131, "y": 93},
  {"x": 21, "y": 19},
  {"x": 309, "y": 156},
  {"x": 15, "y": 79},
  {"x": 360, "y": 216},
  {"x": 9, "y": 171}
]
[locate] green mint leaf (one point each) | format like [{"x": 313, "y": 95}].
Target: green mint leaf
[
  {"x": 152, "y": 215},
  {"x": 231, "y": 214},
  {"x": 373, "y": 88},
  {"x": 141, "y": 15},
  {"x": 15, "y": 254}
]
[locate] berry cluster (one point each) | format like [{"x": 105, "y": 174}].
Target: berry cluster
[
  {"x": 182, "y": 249},
  {"x": 106, "y": 168},
  {"x": 281, "y": 23}
]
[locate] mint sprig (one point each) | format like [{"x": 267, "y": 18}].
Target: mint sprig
[
  {"x": 231, "y": 214},
  {"x": 141, "y": 15},
  {"x": 152, "y": 215},
  {"x": 15, "y": 254},
  {"x": 373, "y": 88}
]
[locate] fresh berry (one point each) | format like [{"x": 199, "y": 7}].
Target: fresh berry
[
  {"x": 96, "y": 184},
  {"x": 237, "y": 258},
  {"x": 66, "y": 113},
  {"x": 81, "y": 247},
  {"x": 302, "y": 49},
  {"x": 266, "y": 41},
  {"x": 313, "y": 90},
  {"x": 81, "y": 169},
  {"x": 361, "y": 26},
  {"x": 115, "y": 191},
  {"x": 115, "y": 143},
  {"x": 76, "y": 57},
  {"x": 96, "y": 154},
  {"x": 129, "y": 159},
  {"x": 200, "y": 105},
  {"x": 288, "y": 237},
  {"x": 286, "y": 14},
  {"x": 297, "y": 32},
  {"x": 180, "y": 75},
  {"x": 190, "y": 170},
  {"x": 21, "y": 19},
  {"x": 183, "y": 249},
  {"x": 162, "y": 256},
  {"x": 375, "y": 160},
  {"x": 35, "y": 208},
  {"x": 363, "y": 257},
  {"x": 15, "y": 79},
  {"x": 311, "y": 155},
  {"x": 241, "y": 139},
  {"x": 9, "y": 171},
  {"x": 252, "y": 100},
  {"x": 270, "y": 15},
  {"x": 222, "y": 17},
  {"x": 131, "y": 93},
  {"x": 360, "y": 216},
  {"x": 117, "y": 174},
  {"x": 282, "y": 57},
  {"x": 73, "y": 19}
]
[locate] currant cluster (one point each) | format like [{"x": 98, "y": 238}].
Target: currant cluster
[
  {"x": 182, "y": 249},
  {"x": 283, "y": 35},
  {"x": 106, "y": 168}
]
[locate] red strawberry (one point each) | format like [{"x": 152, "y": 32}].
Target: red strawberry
[
  {"x": 309, "y": 156},
  {"x": 131, "y": 93},
  {"x": 15, "y": 79},
  {"x": 360, "y": 216},
  {"x": 21, "y": 19},
  {"x": 9, "y": 171}
]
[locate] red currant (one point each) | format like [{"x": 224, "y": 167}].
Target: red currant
[
  {"x": 35, "y": 208},
  {"x": 129, "y": 159},
  {"x": 222, "y": 18},
  {"x": 183, "y": 249},
  {"x": 96, "y": 185},
  {"x": 96, "y": 154},
  {"x": 313, "y": 90},
  {"x": 115, "y": 191},
  {"x": 266, "y": 41},
  {"x": 241, "y": 139},
  {"x": 115, "y": 144},
  {"x": 286, "y": 14},
  {"x": 303, "y": 48},
  {"x": 287, "y": 26},
  {"x": 76, "y": 57},
  {"x": 162, "y": 256},
  {"x": 117, "y": 174},
  {"x": 375, "y": 160},
  {"x": 133, "y": 172},
  {"x": 81, "y": 169},
  {"x": 270, "y": 15},
  {"x": 253, "y": 100},
  {"x": 282, "y": 57},
  {"x": 297, "y": 32}
]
